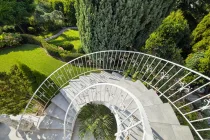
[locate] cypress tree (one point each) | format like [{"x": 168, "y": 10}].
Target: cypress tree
[{"x": 118, "y": 24}]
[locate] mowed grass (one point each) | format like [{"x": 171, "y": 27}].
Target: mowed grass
[
  {"x": 69, "y": 36},
  {"x": 33, "y": 56}
]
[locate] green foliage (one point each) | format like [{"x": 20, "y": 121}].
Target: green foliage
[
  {"x": 15, "y": 91},
  {"x": 194, "y": 10},
  {"x": 10, "y": 39},
  {"x": 31, "y": 30},
  {"x": 68, "y": 56},
  {"x": 15, "y": 12},
  {"x": 68, "y": 46},
  {"x": 66, "y": 38},
  {"x": 169, "y": 39},
  {"x": 51, "y": 49},
  {"x": 98, "y": 120},
  {"x": 45, "y": 19},
  {"x": 117, "y": 24},
  {"x": 200, "y": 58}
]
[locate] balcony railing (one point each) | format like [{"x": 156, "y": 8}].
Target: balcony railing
[{"x": 186, "y": 90}]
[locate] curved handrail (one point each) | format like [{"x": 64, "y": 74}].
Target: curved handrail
[
  {"x": 172, "y": 81},
  {"x": 145, "y": 123}
]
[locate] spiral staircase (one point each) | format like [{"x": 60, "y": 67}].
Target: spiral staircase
[{"x": 142, "y": 91}]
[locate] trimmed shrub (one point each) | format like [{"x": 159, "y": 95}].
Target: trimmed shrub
[
  {"x": 31, "y": 39},
  {"x": 51, "y": 49},
  {"x": 67, "y": 46},
  {"x": 10, "y": 39},
  {"x": 67, "y": 56}
]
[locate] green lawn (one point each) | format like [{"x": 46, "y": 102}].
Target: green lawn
[
  {"x": 31, "y": 55},
  {"x": 69, "y": 36}
]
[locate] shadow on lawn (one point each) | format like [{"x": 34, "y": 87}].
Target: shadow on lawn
[{"x": 24, "y": 47}]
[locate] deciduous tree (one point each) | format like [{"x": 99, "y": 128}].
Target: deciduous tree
[
  {"x": 170, "y": 39},
  {"x": 200, "y": 58}
]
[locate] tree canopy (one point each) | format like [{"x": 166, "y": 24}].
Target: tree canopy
[
  {"x": 170, "y": 38},
  {"x": 200, "y": 58},
  {"x": 14, "y": 12}
]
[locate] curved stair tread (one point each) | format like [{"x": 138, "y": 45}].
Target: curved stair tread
[
  {"x": 172, "y": 132},
  {"x": 48, "y": 122},
  {"x": 56, "y": 112},
  {"x": 62, "y": 103},
  {"x": 162, "y": 113},
  {"x": 46, "y": 134}
]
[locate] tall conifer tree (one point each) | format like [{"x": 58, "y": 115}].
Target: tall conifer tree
[{"x": 118, "y": 24}]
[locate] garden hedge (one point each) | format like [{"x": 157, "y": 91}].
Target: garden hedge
[{"x": 51, "y": 49}]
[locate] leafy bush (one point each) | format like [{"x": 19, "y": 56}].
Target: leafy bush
[
  {"x": 170, "y": 38},
  {"x": 199, "y": 59},
  {"x": 51, "y": 49},
  {"x": 68, "y": 56},
  {"x": 10, "y": 39},
  {"x": 67, "y": 46}
]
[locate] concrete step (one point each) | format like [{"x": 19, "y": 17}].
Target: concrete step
[
  {"x": 110, "y": 75},
  {"x": 172, "y": 132},
  {"x": 162, "y": 113},
  {"x": 56, "y": 112},
  {"x": 48, "y": 122},
  {"x": 149, "y": 98},
  {"x": 45, "y": 134},
  {"x": 138, "y": 84},
  {"x": 60, "y": 101},
  {"x": 68, "y": 95}
]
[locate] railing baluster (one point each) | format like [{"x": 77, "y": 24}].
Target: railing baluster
[
  {"x": 158, "y": 72},
  {"x": 174, "y": 84},
  {"x": 118, "y": 60},
  {"x": 184, "y": 87},
  {"x": 110, "y": 61},
  {"x": 165, "y": 74},
  {"x": 145, "y": 64},
  {"x": 153, "y": 70},
  {"x": 122, "y": 61},
  {"x": 148, "y": 68},
  {"x": 139, "y": 63},
  {"x": 194, "y": 101},
  {"x": 126, "y": 62},
  {"x": 191, "y": 92},
  {"x": 170, "y": 78}
]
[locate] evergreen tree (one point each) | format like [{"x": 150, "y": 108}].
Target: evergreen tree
[
  {"x": 118, "y": 24},
  {"x": 170, "y": 39},
  {"x": 15, "y": 91},
  {"x": 199, "y": 60}
]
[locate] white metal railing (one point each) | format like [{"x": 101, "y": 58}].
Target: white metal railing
[
  {"x": 176, "y": 84},
  {"x": 113, "y": 96}
]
